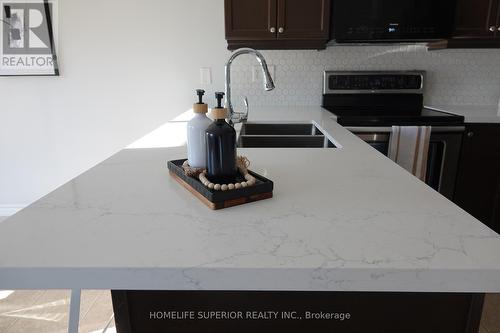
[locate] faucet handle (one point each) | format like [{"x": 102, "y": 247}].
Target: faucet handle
[
  {"x": 245, "y": 101},
  {"x": 244, "y": 116}
]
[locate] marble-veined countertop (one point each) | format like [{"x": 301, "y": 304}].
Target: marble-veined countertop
[{"x": 341, "y": 219}]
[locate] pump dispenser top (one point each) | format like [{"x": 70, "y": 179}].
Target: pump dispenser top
[
  {"x": 219, "y": 112},
  {"x": 200, "y": 107}
]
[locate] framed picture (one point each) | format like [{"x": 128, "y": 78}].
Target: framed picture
[{"x": 28, "y": 38}]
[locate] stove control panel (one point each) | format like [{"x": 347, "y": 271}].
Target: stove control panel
[{"x": 374, "y": 82}]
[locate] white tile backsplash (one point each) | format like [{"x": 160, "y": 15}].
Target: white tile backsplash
[{"x": 457, "y": 77}]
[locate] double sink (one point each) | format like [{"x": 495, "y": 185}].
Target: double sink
[{"x": 282, "y": 135}]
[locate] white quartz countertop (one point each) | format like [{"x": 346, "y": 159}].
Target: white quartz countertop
[
  {"x": 341, "y": 219},
  {"x": 472, "y": 113}
]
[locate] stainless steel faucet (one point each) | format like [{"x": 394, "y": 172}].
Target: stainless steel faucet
[{"x": 236, "y": 117}]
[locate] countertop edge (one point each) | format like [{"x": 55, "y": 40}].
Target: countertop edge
[{"x": 201, "y": 278}]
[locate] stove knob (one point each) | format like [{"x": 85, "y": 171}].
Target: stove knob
[{"x": 470, "y": 134}]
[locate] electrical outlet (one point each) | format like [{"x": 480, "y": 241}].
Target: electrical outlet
[
  {"x": 205, "y": 75},
  {"x": 257, "y": 72}
]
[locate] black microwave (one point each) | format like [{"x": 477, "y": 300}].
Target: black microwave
[{"x": 392, "y": 20}]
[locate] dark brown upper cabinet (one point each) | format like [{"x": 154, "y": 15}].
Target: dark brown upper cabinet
[
  {"x": 250, "y": 19},
  {"x": 299, "y": 19},
  {"x": 277, "y": 24},
  {"x": 477, "y": 25},
  {"x": 477, "y": 18}
]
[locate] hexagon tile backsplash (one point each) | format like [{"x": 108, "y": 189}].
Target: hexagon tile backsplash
[{"x": 454, "y": 77}]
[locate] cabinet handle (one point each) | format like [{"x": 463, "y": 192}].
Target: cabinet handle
[
  {"x": 492, "y": 28},
  {"x": 281, "y": 30},
  {"x": 272, "y": 30},
  {"x": 470, "y": 134}
]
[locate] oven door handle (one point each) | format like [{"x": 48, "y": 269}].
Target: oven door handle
[
  {"x": 367, "y": 129},
  {"x": 388, "y": 129}
]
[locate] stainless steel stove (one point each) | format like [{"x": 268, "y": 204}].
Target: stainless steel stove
[
  {"x": 372, "y": 103},
  {"x": 381, "y": 99}
]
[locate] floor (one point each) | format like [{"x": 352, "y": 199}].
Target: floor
[
  {"x": 46, "y": 311},
  {"x": 490, "y": 322}
]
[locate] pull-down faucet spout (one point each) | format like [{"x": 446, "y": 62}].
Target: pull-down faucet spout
[{"x": 236, "y": 117}]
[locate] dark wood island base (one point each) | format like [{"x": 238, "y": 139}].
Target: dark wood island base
[{"x": 295, "y": 311}]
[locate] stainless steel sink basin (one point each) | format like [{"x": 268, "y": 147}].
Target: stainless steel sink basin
[
  {"x": 281, "y": 135},
  {"x": 279, "y": 129},
  {"x": 285, "y": 141}
]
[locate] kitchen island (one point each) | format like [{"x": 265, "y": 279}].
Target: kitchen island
[{"x": 343, "y": 219}]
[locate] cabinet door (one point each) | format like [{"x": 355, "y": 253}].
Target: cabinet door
[
  {"x": 476, "y": 18},
  {"x": 250, "y": 19},
  {"x": 299, "y": 19},
  {"x": 497, "y": 33},
  {"x": 478, "y": 182}
]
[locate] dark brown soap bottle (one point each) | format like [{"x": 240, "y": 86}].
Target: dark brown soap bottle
[{"x": 221, "y": 146}]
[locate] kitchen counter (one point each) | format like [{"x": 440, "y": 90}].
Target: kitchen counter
[
  {"x": 472, "y": 113},
  {"x": 341, "y": 219}
]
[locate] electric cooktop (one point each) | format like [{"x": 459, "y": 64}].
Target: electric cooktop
[
  {"x": 387, "y": 117},
  {"x": 373, "y": 98}
]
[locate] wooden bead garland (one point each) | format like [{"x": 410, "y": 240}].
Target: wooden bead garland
[
  {"x": 249, "y": 181},
  {"x": 242, "y": 163}
]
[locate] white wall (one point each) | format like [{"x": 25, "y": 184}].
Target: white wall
[{"x": 129, "y": 66}]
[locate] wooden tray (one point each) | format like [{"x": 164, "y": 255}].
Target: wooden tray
[{"x": 263, "y": 188}]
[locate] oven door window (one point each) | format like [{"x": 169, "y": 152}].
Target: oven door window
[
  {"x": 379, "y": 141},
  {"x": 435, "y": 164}
]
